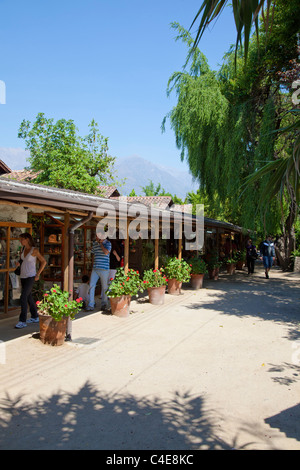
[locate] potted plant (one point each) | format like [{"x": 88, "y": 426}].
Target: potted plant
[
  {"x": 155, "y": 282},
  {"x": 177, "y": 271},
  {"x": 240, "y": 257},
  {"x": 230, "y": 265},
  {"x": 198, "y": 269},
  {"x": 121, "y": 289},
  {"x": 213, "y": 265},
  {"x": 54, "y": 310}
]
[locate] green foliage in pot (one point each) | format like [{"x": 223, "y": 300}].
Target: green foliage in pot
[
  {"x": 178, "y": 269},
  {"x": 198, "y": 266},
  {"x": 125, "y": 284},
  {"x": 213, "y": 261},
  {"x": 230, "y": 261},
  {"x": 56, "y": 303},
  {"x": 154, "y": 278}
]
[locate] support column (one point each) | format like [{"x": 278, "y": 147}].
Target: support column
[
  {"x": 126, "y": 250},
  {"x": 180, "y": 242},
  {"x": 156, "y": 245},
  {"x": 66, "y": 251}
]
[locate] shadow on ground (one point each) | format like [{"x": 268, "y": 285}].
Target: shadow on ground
[
  {"x": 91, "y": 419},
  {"x": 274, "y": 299}
]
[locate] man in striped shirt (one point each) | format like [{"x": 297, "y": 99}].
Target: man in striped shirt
[{"x": 101, "y": 251}]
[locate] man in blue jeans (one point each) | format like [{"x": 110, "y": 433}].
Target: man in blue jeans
[
  {"x": 267, "y": 251},
  {"x": 101, "y": 251}
]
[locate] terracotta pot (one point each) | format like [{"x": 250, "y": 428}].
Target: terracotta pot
[
  {"x": 174, "y": 287},
  {"x": 120, "y": 306},
  {"x": 51, "y": 331},
  {"x": 197, "y": 281},
  {"x": 213, "y": 274},
  {"x": 230, "y": 268},
  {"x": 240, "y": 264},
  {"x": 156, "y": 295}
]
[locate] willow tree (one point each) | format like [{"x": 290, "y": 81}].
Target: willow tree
[{"x": 224, "y": 125}]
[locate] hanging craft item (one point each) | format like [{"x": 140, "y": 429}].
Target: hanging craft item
[{"x": 52, "y": 238}]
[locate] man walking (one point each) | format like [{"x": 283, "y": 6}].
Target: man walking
[
  {"x": 101, "y": 251},
  {"x": 267, "y": 251}
]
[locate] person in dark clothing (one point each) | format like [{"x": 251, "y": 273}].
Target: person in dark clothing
[
  {"x": 251, "y": 256},
  {"x": 267, "y": 252},
  {"x": 115, "y": 258}
]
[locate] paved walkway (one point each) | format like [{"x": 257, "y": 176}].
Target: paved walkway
[{"x": 217, "y": 368}]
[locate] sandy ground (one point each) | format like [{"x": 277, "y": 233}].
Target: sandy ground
[{"x": 217, "y": 368}]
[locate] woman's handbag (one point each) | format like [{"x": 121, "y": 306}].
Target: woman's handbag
[{"x": 18, "y": 269}]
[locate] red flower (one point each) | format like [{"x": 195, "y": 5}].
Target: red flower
[
  {"x": 154, "y": 270},
  {"x": 46, "y": 295},
  {"x": 38, "y": 302},
  {"x": 53, "y": 290},
  {"x": 127, "y": 279},
  {"x": 66, "y": 305},
  {"x": 111, "y": 279},
  {"x": 78, "y": 300}
]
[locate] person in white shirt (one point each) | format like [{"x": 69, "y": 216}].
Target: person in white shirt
[{"x": 28, "y": 275}]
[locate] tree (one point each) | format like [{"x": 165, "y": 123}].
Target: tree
[
  {"x": 246, "y": 15},
  {"x": 224, "y": 124},
  {"x": 63, "y": 158},
  {"x": 151, "y": 190}
]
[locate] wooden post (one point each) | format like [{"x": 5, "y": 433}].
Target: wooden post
[
  {"x": 66, "y": 251},
  {"x": 180, "y": 242},
  {"x": 126, "y": 250},
  {"x": 156, "y": 245}
]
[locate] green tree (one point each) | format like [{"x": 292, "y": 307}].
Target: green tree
[
  {"x": 224, "y": 125},
  {"x": 63, "y": 158}
]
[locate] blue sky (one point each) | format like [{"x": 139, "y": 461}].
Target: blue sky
[{"x": 104, "y": 59}]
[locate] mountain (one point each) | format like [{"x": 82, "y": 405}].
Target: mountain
[{"x": 139, "y": 172}]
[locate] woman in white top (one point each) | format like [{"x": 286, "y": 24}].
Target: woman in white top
[{"x": 28, "y": 275}]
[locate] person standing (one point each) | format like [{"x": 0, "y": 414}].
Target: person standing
[
  {"x": 267, "y": 252},
  {"x": 28, "y": 275},
  {"x": 101, "y": 253},
  {"x": 115, "y": 258},
  {"x": 251, "y": 256}
]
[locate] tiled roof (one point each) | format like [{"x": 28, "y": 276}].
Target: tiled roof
[
  {"x": 109, "y": 191},
  {"x": 161, "y": 202},
  {"x": 3, "y": 167},
  {"x": 30, "y": 175},
  {"x": 22, "y": 175}
]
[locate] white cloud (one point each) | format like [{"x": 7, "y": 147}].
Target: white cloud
[{"x": 14, "y": 158}]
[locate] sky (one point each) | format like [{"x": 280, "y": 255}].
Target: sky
[{"x": 108, "y": 60}]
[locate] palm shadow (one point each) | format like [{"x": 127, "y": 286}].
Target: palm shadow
[{"x": 92, "y": 419}]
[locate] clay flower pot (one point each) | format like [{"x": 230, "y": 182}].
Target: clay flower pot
[
  {"x": 213, "y": 274},
  {"x": 120, "y": 306},
  {"x": 174, "y": 287},
  {"x": 230, "y": 268},
  {"x": 156, "y": 295},
  {"x": 197, "y": 281},
  {"x": 51, "y": 331}
]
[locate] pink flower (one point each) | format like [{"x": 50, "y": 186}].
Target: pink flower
[
  {"x": 78, "y": 300},
  {"x": 46, "y": 295},
  {"x": 66, "y": 305},
  {"x": 38, "y": 302}
]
